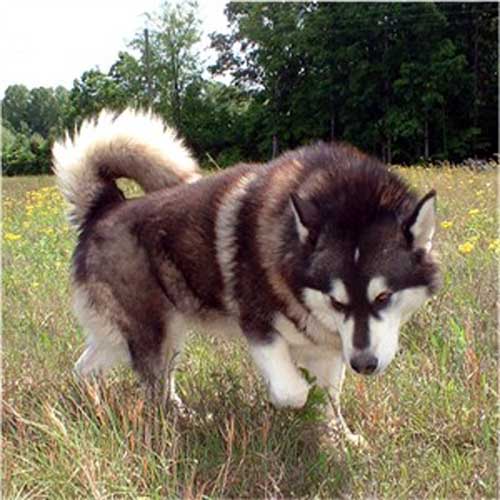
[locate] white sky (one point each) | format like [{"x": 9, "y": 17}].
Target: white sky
[{"x": 52, "y": 42}]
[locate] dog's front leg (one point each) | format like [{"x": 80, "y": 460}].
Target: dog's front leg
[
  {"x": 287, "y": 387},
  {"x": 329, "y": 370}
]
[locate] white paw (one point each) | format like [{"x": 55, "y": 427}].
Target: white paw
[
  {"x": 179, "y": 407},
  {"x": 338, "y": 430},
  {"x": 291, "y": 395},
  {"x": 356, "y": 440}
]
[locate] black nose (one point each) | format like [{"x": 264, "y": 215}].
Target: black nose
[{"x": 364, "y": 363}]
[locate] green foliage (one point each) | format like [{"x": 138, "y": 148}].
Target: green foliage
[
  {"x": 17, "y": 156},
  {"x": 15, "y": 106},
  {"x": 31, "y": 120},
  {"x": 93, "y": 92},
  {"x": 395, "y": 79},
  {"x": 170, "y": 64},
  {"x": 405, "y": 81}
]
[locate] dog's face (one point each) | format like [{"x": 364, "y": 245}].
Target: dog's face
[{"x": 365, "y": 290}]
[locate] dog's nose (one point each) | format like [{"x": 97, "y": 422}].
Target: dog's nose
[{"x": 364, "y": 363}]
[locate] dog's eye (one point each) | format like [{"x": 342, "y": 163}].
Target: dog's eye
[
  {"x": 339, "y": 306},
  {"x": 383, "y": 298}
]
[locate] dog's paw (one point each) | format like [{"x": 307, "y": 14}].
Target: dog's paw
[
  {"x": 356, "y": 440},
  {"x": 338, "y": 433},
  {"x": 291, "y": 395},
  {"x": 174, "y": 402}
]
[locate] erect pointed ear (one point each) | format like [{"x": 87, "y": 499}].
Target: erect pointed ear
[
  {"x": 306, "y": 215},
  {"x": 420, "y": 226}
]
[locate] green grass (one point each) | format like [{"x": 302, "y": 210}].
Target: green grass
[{"x": 430, "y": 421}]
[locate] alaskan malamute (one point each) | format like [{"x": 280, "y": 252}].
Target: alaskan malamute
[{"x": 316, "y": 258}]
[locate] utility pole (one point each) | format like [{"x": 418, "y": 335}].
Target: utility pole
[{"x": 148, "y": 67}]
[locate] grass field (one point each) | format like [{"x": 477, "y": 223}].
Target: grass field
[{"x": 430, "y": 420}]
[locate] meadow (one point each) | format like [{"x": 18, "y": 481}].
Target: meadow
[{"x": 430, "y": 420}]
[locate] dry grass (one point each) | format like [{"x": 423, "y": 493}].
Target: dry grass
[{"x": 430, "y": 420}]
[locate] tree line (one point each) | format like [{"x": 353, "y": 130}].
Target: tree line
[{"x": 407, "y": 82}]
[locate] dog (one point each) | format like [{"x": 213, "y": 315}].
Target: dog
[{"x": 315, "y": 258}]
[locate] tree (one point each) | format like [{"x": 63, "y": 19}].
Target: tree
[
  {"x": 214, "y": 121},
  {"x": 32, "y": 119},
  {"x": 473, "y": 28},
  {"x": 15, "y": 106},
  {"x": 267, "y": 37},
  {"x": 92, "y": 92},
  {"x": 400, "y": 80},
  {"x": 172, "y": 65},
  {"x": 44, "y": 111},
  {"x": 129, "y": 76},
  {"x": 17, "y": 157}
]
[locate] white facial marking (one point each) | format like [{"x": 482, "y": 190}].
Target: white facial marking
[
  {"x": 424, "y": 226},
  {"x": 320, "y": 305},
  {"x": 376, "y": 286},
  {"x": 334, "y": 321},
  {"x": 356, "y": 255},
  {"x": 384, "y": 332},
  {"x": 346, "y": 332},
  {"x": 301, "y": 229},
  {"x": 411, "y": 300},
  {"x": 286, "y": 385},
  {"x": 338, "y": 291}
]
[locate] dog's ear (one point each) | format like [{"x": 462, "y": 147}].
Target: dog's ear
[
  {"x": 306, "y": 215},
  {"x": 420, "y": 226}
]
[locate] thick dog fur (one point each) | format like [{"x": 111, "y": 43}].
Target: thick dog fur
[{"x": 316, "y": 258}]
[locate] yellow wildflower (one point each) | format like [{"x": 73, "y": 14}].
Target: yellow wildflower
[
  {"x": 494, "y": 246},
  {"x": 12, "y": 236},
  {"x": 466, "y": 247},
  {"x": 473, "y": 211},
  {"x": 446, "y": 224}
]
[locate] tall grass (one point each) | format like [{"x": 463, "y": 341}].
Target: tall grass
[{"x": 430, "y": 421}]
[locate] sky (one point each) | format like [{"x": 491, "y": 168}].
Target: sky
[{"x": 51, "y": 42}]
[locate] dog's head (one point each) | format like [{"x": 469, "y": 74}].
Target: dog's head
[{"x": 365, "y": 281}]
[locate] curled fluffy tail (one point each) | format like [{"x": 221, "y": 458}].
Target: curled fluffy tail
[{"x": 135, "y": 145}]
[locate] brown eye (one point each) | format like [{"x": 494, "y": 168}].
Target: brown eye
[
  {"x": 339, "y": 306},
  {"x": 383, "y": 298}
]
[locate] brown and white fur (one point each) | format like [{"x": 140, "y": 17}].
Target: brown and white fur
[{"x": 316, "y": 258}]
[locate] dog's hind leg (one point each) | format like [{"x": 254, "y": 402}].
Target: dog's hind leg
[
  {"x": 106, "y": 346},
  {"x": 99, "y": 357},
  {"x": 155, "y": 352},
  {"x": 174, "y": 343},
  {"x": 140, "y": 328},
  {"x": 149, "y": 358}
]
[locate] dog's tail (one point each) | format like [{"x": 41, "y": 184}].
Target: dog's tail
[{"x": 135, "y": 145}]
